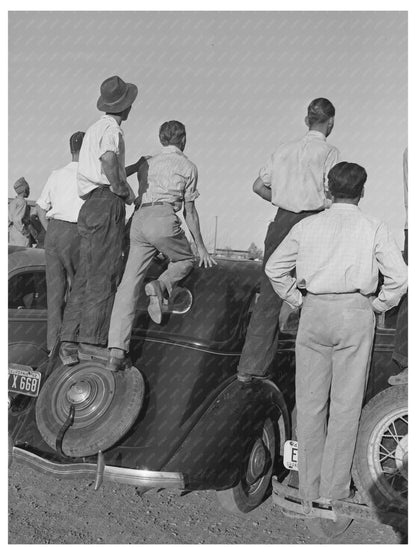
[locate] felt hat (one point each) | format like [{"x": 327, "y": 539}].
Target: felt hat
[{"x": 116, "y": 95}]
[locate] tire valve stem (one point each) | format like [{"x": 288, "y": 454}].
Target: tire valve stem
[{"x": 67, "y": 424}]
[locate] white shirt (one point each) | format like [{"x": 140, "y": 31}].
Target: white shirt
[
  {"x": 340, "y": 250},
  {"x": 168, "y": 177},
  {"x": 103, "y": 136},
  {"x": 60, "y": 194},
  {"x": 297, "y": 173}
]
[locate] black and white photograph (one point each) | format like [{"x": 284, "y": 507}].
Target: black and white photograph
[{"x": 207, "y": 275}]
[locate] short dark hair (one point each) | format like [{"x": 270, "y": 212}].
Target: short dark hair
[
  {"x": 172, "y": 133},
  {"x": 75, "y": 142},
  {"x": 320, "y": 110},
  {"x": 346, "y": 180}
]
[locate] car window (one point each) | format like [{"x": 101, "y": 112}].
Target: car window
[{"x": 27, "y": 290}]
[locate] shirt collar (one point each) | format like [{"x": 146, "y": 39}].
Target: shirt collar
[
  {"x": 343, "y": 206},
  {"x": 316, "y": 134},
  {"x": 171, "y": 148},
  {"x": 106, "y": 116}
]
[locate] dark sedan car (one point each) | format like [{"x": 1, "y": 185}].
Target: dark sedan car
[{"x": 179, "y": 418}]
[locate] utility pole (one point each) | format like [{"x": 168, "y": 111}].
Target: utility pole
[{"x": 215, "y": 235}]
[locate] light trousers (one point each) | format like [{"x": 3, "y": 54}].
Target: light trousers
[
  {"x": 333, "y": 349},
  {"x": 153, "y": 229}
]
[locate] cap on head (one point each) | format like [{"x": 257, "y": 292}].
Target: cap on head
[
  {"x": 320, "y": 110},
  {"x": 116, "y": 95},
  {"x": 21, "y": 185},
  {"x": 75, "y": 141},
  {"x": 346, "y": 180},
  {"x": 172, "y": 133}
]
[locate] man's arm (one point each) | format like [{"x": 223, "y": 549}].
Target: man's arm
[
  {"x": 42, "y": 216},
  {"x": 109, "y": 163},
  {"x": 392, "y": 266},
  {"x": 262, "y": 190},
  {"x": 279, "y": 267},
  {"x": 192, "y": 221}
]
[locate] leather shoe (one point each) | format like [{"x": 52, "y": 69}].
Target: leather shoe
[
  {"x": 68, "y": 353},
  {"x": 117, "y": 363},
  {"x": 154, "y": 291}
]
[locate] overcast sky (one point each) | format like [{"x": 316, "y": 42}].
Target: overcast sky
[{"x": 239, "y": 81}]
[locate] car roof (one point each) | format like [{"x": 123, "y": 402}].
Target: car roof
[{"x": 23, "y": 257}]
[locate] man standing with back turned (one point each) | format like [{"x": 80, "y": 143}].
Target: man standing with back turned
[
  {"x": 338, "y": 255},
  {"x": 294, "y": 180},
  {"x": 58, "y": 207},
  {"x": 102, "y": 184}
]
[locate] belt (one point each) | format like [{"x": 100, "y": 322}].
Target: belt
[{"x": 158, "y": 203}]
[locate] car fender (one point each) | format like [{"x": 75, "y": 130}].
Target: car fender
[{"x": 211, "y": 455}]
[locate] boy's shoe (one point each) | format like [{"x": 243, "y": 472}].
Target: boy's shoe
[
  {"x": 154, "y": 291},
  {"x": 117, "y": 360}
]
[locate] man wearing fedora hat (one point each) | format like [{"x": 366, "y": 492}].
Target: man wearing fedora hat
[
  {"x": 19, "y": 215},
  {"x": 102, "y": 184}
]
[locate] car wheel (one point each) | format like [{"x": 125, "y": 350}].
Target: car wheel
[
  {"x": 106, "y": 405},
  {"x": 380, "y": 470},
  {"x": 256, "y": 473},
  {"x": 325, "y": 528}
]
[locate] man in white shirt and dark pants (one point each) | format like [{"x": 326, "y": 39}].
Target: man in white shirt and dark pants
[
  {"x": 337, "y": 255},
  {"x": 58, "y": 207},
  {"x": 102, "y": 184},
  {"x": 294, "y": 180}
]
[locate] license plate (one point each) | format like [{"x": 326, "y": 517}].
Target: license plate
[
  {"x": 290, "y": 455},
  {"x": 24, "y": 380}
]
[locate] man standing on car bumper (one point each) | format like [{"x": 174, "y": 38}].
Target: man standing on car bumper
[
  {"x": 102, "y": 184},
  {"x": 337, "y": 255},
  {"x": 294, "y": 180}
]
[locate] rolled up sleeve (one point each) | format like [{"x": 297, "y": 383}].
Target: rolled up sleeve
[
  {"x": 110, "y": 142},
  {"x": 44, "y": 201},
  {"x": 191, "y": 192}
]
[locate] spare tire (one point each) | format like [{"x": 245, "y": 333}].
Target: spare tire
[{"x": 106, "y": 406}]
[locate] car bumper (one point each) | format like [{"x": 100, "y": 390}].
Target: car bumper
[{"x": 143, "y": 479}]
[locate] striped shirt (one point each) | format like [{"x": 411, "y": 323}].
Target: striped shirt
[
  {"x": 340, "y": 250},
  {"x": 168, "y": 177}
]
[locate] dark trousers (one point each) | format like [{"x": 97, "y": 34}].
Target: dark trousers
[
  {"x": 101, "y": 224},
  {"x": 62, "y": 257},
  {"x": 400, "y": 352},
  {"x": 262, "y": 334}
]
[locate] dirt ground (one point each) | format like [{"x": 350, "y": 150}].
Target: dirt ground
[{"x": 47, "y": 510}]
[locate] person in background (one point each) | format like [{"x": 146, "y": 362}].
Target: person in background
[
  {"x": 401, "y": 340},
  {"x": 58, "y": 207},
  {"x": 165, "y": 182},
  {"x": 19, "y": 215},
  {"x": 338, "y": 255},
  {"x": 294, "y": 180},
  {"x": 103, "y": 186}
]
